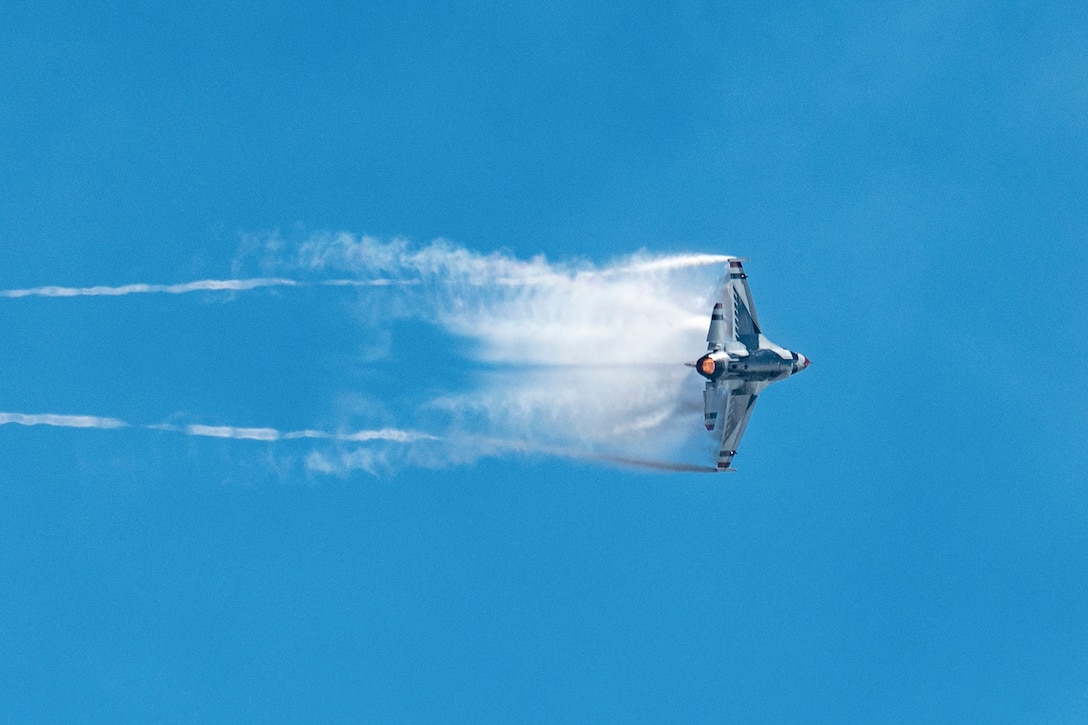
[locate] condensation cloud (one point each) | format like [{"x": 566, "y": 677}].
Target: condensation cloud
[
  {"x": 565, "y": 358},
  {"x": 584, "y": 359}
]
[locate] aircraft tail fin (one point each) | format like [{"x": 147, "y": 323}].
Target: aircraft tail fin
[{"x": 717, "y": 335}]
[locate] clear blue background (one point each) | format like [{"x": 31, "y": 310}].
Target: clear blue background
[{"x": 905, "y": 540}]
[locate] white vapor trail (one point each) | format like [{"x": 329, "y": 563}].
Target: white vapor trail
[
  {"x": 62, "y": 421},
  {"x": 271, "y": 434},
  {"x": 358, "y": 458},
  {"x": 203, "y": 285},
  {"x": 569, "y": 359},
  {"x": 582, "y": 360},
  {"x": 395, "y": 435},
  {"x": 672, "y": 262}
]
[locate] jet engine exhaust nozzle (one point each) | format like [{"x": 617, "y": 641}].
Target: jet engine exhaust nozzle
[{"x": 712, "y": 365}]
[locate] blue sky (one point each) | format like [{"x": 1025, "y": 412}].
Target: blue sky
[{"x": 905, "y": 539}]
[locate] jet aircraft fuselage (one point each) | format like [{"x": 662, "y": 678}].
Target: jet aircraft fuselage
[{"x": 739, "y": 364}]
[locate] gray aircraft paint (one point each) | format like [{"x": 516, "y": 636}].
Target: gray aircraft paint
[{"x": 739, "y": 364}]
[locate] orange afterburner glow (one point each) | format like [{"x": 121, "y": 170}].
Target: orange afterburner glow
[{"x": 706, "y": 366}]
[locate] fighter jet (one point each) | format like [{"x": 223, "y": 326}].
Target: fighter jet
[{"x": 739, "y": 364}]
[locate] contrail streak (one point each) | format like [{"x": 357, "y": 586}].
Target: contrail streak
[
  {"x": 271, "y": 434},
  {"x": 62, "y": 421},
  {"x": 581, "y": 360},
  {"x": 423, "y": 261},
  {"x": 203, "y": 285},
  {"x": 394, "y": 435},
  {"x": 672, "y": 262}
]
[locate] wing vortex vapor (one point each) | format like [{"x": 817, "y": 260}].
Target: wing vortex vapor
[
  {"x": 580, "y": 360},
  {"x": 203, "y": 285},
  {"x": 271, "y": 434},
  {"x": 215, "y": 431},
  {"x": 61, "y": 421}
]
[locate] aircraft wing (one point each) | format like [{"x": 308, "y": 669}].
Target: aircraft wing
[
  {"x": 732, "y": 408},
  {"x": 734, "y": 318}
]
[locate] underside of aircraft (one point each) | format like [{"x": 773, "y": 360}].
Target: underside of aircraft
[{"x": 740, "y": 363}]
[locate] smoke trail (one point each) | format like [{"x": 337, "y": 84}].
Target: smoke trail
[
  {"x": 532, "y": 448},
  {"x": 671, "y": 466}
]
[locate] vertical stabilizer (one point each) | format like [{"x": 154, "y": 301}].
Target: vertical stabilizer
[{"x": 717, "y": 336}]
